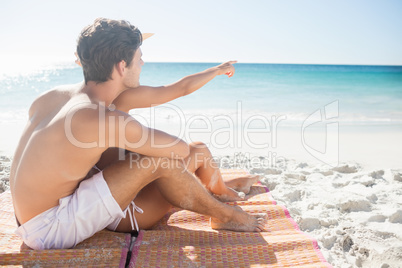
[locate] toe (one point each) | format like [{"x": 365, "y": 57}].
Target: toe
[{"x": 262, "y": 216}]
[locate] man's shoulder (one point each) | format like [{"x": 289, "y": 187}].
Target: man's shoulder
[
  {"x": 52, "y": 97},
  {"x": 62, "y": 90}
]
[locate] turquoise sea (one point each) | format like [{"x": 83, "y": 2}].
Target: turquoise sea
[
  {"x": 366, "y": 95},
  {"x": 263, "y": 108}
]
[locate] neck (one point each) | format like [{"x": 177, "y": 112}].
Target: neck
[{"x": 104, "y": 92}]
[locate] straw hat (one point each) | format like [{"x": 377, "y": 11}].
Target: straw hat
[{"x": 146, "y": 35}]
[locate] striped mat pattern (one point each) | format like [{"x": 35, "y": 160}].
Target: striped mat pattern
[{"x": 184, "y": 239}]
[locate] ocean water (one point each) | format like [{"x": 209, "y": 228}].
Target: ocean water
[
  {"x": 365, "y": 94},
  {"x": 258, "y": 96}
]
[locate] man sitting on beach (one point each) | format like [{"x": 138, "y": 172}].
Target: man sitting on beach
[{"x": 67, "y": 181}]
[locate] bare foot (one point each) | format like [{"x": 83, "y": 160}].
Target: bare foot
[
  {"x": 231, "y": 195},
  {"x": 242, "y": 184},
  {"x": 255, "y": 190},
  {"x": 241, "y": 222}
]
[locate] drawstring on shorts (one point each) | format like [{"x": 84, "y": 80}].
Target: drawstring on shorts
[
  {"x": 96, "y": 167},
  {"x": 132, "y": 216}
]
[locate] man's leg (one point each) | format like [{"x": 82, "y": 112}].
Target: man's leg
[
  {"x": 201, "y": 162},
  {"x": 170, "y": 184}
]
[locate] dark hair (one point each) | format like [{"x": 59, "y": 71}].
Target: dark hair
[{"x": 103, "y": 44}]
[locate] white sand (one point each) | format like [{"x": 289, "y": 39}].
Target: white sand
[
  {"x": 355, "y": 215},
  {"x": 5, "y": 163}
]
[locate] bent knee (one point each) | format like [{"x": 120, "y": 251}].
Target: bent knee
[
  {"x": 198, "y": 145},
  {"x": 199, "y": 149}
]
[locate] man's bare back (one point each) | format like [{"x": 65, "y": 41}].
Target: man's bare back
[{"x": 47, "y": 165}]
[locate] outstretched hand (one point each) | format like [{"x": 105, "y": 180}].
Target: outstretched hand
[{"x": 227, "y": 68}]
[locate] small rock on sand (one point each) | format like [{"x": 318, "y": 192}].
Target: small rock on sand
[
  {"x": 377, "y": 218},
  {"x": 302, "y": 165},
  {"x": 397, "y": 176},
  {"x": 373, "y": 198},
  {"x": 353, "y": 205},
  {"x": 2, "y": 187},
  {"x": 328, "y": 241},
  {"x": 396, "y": 217},
  {"x": 377, "y": 174},
  {"x": 347, "y": 243},
  {"x": 295, "y": 176},
  {"x": 309, "y": 224},
  {"x": 345, "y": 169}
]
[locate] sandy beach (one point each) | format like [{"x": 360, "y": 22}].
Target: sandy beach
[
  {"x": 5, "y": 163},
  {"x": 355, "y": 213}
]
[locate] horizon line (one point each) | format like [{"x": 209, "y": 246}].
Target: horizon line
[
  {"x": 63, "y": 59},
  {"x": 281, "y": 63}
]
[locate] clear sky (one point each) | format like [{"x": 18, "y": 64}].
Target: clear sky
[{"x": 282, "y": 31}]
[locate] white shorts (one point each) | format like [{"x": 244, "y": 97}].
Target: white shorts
[{"x": 78, "y": 216}]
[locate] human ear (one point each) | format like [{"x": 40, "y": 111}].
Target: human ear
[{"x": 121, "y": 67}]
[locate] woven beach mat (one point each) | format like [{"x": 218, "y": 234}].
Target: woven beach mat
[
  {"x": 104, "y": 249},
  {"x": 185, "y": 239}
]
